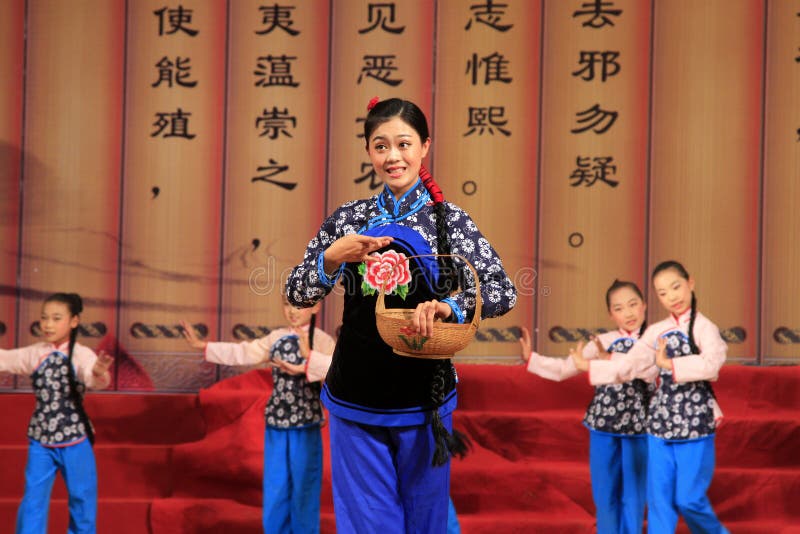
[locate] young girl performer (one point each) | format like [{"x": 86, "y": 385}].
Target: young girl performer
[
  {"x": 390, "y": 415},
  {"x": 60, "y": 434},
  {"x": 686, "y": 352},
  {"x": 615, "y": 417},
  {"x": 292, "y": 438}
]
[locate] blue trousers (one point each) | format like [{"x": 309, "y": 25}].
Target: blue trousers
[
  {"x": 618, "y": 465},
  {"x": 383, "y": 480},
  {"x": 77, "y": 467},
  {"x": 452, "y": 519},
  {"x": 292, "y": 480},
  {"x": 679, "y": 474}
]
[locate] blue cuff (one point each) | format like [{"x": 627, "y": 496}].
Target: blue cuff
[
  {"x": 457, "y": 312},
  {"x": 324, "y": 278}
]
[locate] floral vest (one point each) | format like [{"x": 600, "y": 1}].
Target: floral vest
[
  {"x": 294, "y": 401},
  {"x": 620, "y": 408},
  {"x": 55, "y": 421}
]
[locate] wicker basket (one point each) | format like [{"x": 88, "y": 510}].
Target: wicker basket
[{"x": 394, "y": 326}]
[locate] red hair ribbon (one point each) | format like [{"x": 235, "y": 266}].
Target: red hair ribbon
[
  {"x": 431, "y": 185},
  {"x": 373, "y": 102}
]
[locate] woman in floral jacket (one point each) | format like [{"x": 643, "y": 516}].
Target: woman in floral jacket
[{"x": 390, "y": 415}]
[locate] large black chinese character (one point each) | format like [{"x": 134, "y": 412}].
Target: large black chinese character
[
  {"x": 176, "y": 19},
  {"x": 607, "y": 60},
  {"x": 489, "y": 14},
  {"x": 276, "y": 16},
  {"x": 495, "y": 69},
  {"x": 599, "y": 13},
  {"x": 587, "y": 174},
  {"x": 596, "y": 119},
  {"x": 176, "y": 72},
  {"x": 275, "y": 70},
  {"x": 368, "y": 175},
  {"x": 275, "y": 122},
  {"x": 379, "y": 68},
  {"x": 360, "y": 134},
  {"x": 797, "y": 59},
  {"x": 487, "y": 119},
  {"x": 271, "y": 170},
  {"x": 177, "y": 122},
  {"x": 377, "y": 16}
]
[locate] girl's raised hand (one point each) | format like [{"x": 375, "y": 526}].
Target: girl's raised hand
[
  {"x": 602, "y": 353},
  {"x": 191, "y": 337},
  {"x": 661, "y": 355},
  {"x": 525, "y": 344},
  {"x": 352, "y": 248},
  {"x": 102, "y": 364},
  {"x": 426, "y": 314},
  {"x": 581, "y": 363}
]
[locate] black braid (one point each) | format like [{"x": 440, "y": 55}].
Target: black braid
[
  {"x": 312, "y": 323},
  {"x": 75, "y": 306},
  {"x": 447, "y": 269},
  {"x": 692, "y": 345}
]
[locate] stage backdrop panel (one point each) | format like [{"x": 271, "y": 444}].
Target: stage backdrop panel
[
  {"x": 485, "y": 140},
  {"x": 780, "y": 230},
  {"x": 12, "y": 43},
  {"x": 71, "y": 165},
  {"x": 274, "y": 192},
  {"x": 171, "y": 222},
  {"x": 377, "y": 49},
  {"x": 706, "y": 153},
  {"x": 592, "y": 225}
]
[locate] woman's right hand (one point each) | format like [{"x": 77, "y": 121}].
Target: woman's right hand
[
  {"x": 352, "y": 248},
  {"x": 191, "y": 337}
]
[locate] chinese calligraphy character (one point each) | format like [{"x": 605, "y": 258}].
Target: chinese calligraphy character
[
  {"x": 276, "y": 16},
  {"x": 379, "y": 68},
  {"x": 496, "y": 68},
  {"x": 609, "y": 66},
  {"x": 178, "y": 123},
  {"x": 588, "y": 174},
  {"x": 362, "y": 120},
  {"x": 600, "y": 15},
  {"x": 174, "y": 72},
  {"x": 275, "y": 70},
  {"x": 594, "y": 118},
  {"x": 271, "y": 170},
  {"x": 489, "y": 14},
  {"x": 275, "y": 122},
  {"x": 487, "y": 119},
  {"x": 176, "y": 18},
  {"x": 369, "y": 174},
  {"x": 797, "y": 59},
  {"x": 798, "y": 135},
  {"x": 378, "y": 17}
]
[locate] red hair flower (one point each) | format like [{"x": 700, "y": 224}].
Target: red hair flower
[{"x": 373, "y": 102}]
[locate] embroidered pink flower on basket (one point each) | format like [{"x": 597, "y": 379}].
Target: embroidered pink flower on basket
[{"x": 390, "y": 270}]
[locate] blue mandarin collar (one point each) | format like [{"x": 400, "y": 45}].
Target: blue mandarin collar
[{"x": 405, "y": 202}]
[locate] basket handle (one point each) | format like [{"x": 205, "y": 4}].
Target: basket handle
[{"x": 476, "y": 317}]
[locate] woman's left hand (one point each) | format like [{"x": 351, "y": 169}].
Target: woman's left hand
[
  {"x": 426, "y": 314},
  {"x": 661, "y": 355},
  {"x": 103, "y": 362}
]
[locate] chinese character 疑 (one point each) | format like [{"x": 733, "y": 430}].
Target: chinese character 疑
[
  {"x": 379, "y": 68},
  {"x": 276, "y": 16},
  {"x": 600, "y": 15},
  {"x": 609, "y": 66},
  {"x": 369, "y": 174},
  {"x": 489, "y": 14},
  {"x": 275, "y": 122},
  {"x": 178, "y": 123},
  {"x": 588, "y": 174},
  {"x": 593, "y": 119},
  {"x": 378, "y": 17},
  {"x": 174, "y": 72},
  {"x": 275, "y": 70},
  {"x": 495, "y": 68},
  {"x": 176, "y": 18},
  {"x": 271, "y": 170},
  {"x": 487, "y": 119}
]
